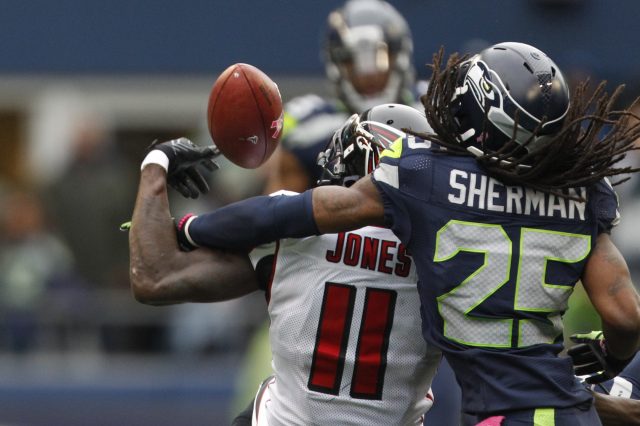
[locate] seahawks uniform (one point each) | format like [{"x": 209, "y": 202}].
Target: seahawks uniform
[
  {"x": 344, "y": 332},
  {"x": 625, "y": 385},
  {"x": 501, "y": 262},
  {"x": 309, "y": 123}
]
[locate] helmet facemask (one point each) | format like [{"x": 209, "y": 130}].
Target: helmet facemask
[
  {"x": 368, "y": 54},
  {"x": 354, "y": 150}
]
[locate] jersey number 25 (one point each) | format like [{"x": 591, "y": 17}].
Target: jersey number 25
[{"x": 537, "y": 247}]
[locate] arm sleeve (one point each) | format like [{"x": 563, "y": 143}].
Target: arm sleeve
[
  {"x": 606, "y": 205},
  {"x": 254, "y": 221}
]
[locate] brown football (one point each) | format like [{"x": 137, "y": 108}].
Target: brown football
[{"x": 245, "y": 115}]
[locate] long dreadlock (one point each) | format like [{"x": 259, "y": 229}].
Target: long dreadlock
[{"x": 577, "y": 155}]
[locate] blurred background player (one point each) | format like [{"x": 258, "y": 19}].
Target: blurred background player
[
  {"x": 346, "y": 346},
  {"x": 367, "y": 51}
]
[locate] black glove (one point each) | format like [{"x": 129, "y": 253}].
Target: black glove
[
  {"x": 186, "y": 161},
  {"x": 591, "y": 357}
]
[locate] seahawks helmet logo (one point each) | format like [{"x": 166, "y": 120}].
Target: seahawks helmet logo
[
  {"x": 482, "y": 88},
  {"x": 489, "y": 91}
]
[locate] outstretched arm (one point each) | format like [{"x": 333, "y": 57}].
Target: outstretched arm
[
  {"x": 162, "y": 274},
  {"x": 608, "y": 283},
  {"x": 264, "y": 219}
]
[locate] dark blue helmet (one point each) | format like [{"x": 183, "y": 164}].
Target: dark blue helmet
[
  {"x": 505, "y": 83},
  {"x": 354, "y": 151},
  {"x": 368, "y": 52}
]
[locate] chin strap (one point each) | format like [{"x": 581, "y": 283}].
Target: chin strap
[{"x": 477, "y": 152}]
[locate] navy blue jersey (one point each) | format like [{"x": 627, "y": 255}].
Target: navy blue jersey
[
  {"x": 497, "y": 264},
  {"x": 309, "y": 123},
  {"x": 626, "y": 384}
]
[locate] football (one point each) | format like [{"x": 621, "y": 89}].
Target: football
[{"x": 245, "y": 115}]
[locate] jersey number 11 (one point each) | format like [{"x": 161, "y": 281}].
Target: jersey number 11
[{"x": 333, "y": 336}]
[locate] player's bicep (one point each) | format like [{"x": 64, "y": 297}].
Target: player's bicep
[
  {"x": 202, "y": 275},
  {"x": 608, "y": 283},
  {"x": 338, "y": 209}
]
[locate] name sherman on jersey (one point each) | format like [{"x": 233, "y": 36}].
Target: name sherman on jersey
[{"x": 486, "y": 193}]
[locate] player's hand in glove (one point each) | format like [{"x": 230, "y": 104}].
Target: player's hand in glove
[
  {"x": 591, "y": 358},
  {"x": 185, "y": 164}
]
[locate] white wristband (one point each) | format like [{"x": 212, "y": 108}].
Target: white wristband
[
  {"x": 156, "y": 157},
  {"x": 186, "y": 231}
]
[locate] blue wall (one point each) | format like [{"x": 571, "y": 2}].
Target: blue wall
[{"x": 283, "y": 36}]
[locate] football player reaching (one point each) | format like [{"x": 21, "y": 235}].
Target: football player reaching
[
  {"x": 344, "y": 330},
  {"x": 501, "y": 224}
]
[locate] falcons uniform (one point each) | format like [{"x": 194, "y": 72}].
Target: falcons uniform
[{"x": 345, "y": 333}]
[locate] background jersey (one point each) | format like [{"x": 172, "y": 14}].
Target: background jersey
[
  {"x": 310, "y": 121},
  {"x": 345, "y": 331},
  {"x": 500, "y": 263},
  {"x": 309, "y": 124},
  {"x": 626, "y": 384}
]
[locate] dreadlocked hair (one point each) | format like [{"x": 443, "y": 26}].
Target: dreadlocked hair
[{"x": 581, "y": 153}]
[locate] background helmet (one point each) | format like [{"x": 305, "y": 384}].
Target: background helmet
[
  {"x": 368, "y": 54},
  {"x": 505, "y": 81},
  {"x": 354, "y": 151}
]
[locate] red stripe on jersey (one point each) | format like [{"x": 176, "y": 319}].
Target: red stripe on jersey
[
  {"x": 267, "y": 293},
  {"x": 373, "y": 342},
  {"x": 370, "y": 253},
  {"x": 332, "y": 338},
  {"x": 352, "y": 250}
]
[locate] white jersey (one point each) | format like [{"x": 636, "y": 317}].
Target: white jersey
[{"x": 345, "y": 333}]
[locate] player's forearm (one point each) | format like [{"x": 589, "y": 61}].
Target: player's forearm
[
  {"x": 622, "y": 342},
  {"x": 339, "y": 209},
  {"x": 254, "y": 221},
  {"x": 617, "y": 411},
  {"x": 608, "y": 284},
  {"x": 162, "y": 274},
  {"x": 151, "y": 244},
  {"x": 622, "y": 327}
]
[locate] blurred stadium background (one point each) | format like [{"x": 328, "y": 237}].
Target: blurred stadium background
[{"x": 85, "y": 86}]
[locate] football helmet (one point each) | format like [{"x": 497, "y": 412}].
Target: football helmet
[
  {"x": 354, "y": 151},
  {"x": 504, "y": 84},
  {"x": 368, "y": 54}
]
